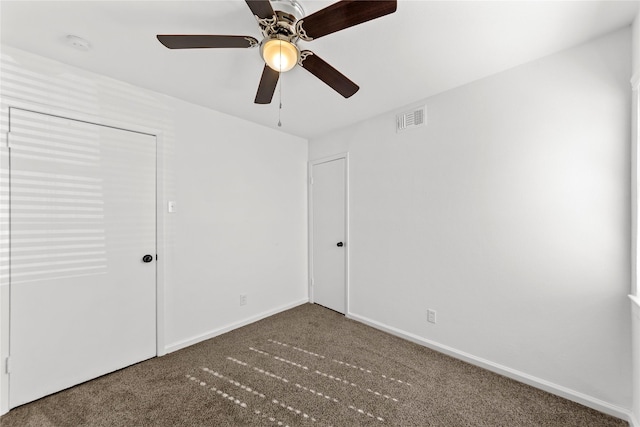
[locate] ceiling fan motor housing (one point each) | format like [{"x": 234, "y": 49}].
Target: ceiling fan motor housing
[
  {"x": 288, "y": 7},
  {"x": 287, "y": 13}
]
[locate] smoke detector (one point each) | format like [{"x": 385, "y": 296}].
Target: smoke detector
[{"x": 78, "y": 43}]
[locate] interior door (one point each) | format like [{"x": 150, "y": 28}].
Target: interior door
[
  {"x": 82, "y": 217},
  {"x": 329, "y": 234}
]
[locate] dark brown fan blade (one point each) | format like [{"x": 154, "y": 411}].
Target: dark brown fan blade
[
  {"x": 261, "y": 8},
  {"x": 177, "y": 41},
  {"x": 267, "y": 85},
  {"x": 325, "y": 72},
  {"x": 341, "y": 15}
]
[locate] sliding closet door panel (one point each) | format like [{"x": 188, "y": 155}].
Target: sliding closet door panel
[{"x": 82, "y": 217}]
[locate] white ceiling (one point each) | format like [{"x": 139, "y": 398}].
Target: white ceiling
[{"x": 425, "y": 48}]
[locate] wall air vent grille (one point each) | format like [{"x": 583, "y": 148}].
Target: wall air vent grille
[{"x": 411, "y": 119}]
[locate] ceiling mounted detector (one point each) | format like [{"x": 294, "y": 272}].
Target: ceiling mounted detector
[
  {"x": 282, "y": 24},
  {"x": 78, "y": 43}
]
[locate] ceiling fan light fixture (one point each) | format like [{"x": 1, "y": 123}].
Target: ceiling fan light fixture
[
  {"x": 280, "y": 55},
  {"x": 282, "y": 23}
]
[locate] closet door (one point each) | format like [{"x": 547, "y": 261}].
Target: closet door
[
  {"x": 329, "y": 234},
  {"x": 82, "y": 219}
]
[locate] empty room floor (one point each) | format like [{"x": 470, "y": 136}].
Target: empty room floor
[{"x": 307, "y": 366}]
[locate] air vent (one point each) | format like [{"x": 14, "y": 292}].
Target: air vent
[{"x": 411, "y": 119}]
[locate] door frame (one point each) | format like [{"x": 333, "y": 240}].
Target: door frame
[
  {"x": 311, "y": 164},
  {"x": 6, "y": 104}
]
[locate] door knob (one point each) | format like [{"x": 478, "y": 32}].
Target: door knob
[
  {"x": 340, "y": 244},
  {"x": 147, "y": 258}
]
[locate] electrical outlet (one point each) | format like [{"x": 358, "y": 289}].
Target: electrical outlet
[
  {"x": 243, "y": 299},
  {"x": 431, "y": 316}
]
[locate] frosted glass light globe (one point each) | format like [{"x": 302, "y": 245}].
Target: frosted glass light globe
[{"x": 280, "y": 55}]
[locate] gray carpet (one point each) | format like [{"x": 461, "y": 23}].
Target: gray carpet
[{"x": 307, "y": 366}]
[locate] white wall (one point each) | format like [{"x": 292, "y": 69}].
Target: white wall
[
  {"x": 509, "y": 214},
  {"x": 240, "y": 225},
  {"x": 636, "y": 307},
  {"x": 239, "y": 188},
  {"x": 636, "y": 44},
  {"x": 635, "y": 325}
]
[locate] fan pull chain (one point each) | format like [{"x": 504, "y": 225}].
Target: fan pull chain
[
  {"x": 280, "y": 107},
  {"x": 280, "y": 90}
]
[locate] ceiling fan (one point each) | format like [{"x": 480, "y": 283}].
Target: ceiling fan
[{"x": 282, "y": 23}]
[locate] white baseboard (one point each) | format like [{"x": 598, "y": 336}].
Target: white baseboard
[
  {"x": 583, "y": 399},
  {"x": 194, "y": 340},
  {"x": 633, "y": 421}
]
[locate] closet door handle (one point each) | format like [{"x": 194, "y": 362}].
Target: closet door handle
[{"x": 340, "y": 244}]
